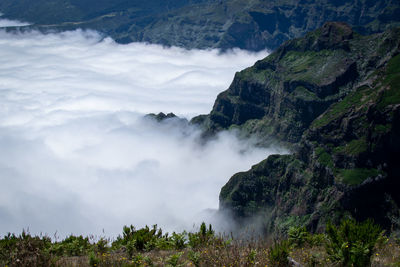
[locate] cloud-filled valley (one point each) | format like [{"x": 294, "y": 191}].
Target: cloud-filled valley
[{"x": 77, "y": 155}]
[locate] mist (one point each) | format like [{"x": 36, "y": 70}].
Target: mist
[{"x": 78, "y": 156}]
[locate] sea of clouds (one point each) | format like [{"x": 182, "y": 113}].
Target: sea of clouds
[{"x": 76, "y": 154}]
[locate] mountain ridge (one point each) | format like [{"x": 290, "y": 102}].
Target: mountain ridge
[
  {"x": 344, "y": 160},
  {"x": 307, "y": 74},
  {"x": 251, "y": 25}
]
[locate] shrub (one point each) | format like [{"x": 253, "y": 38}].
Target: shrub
[
  {"x": 317, "y": 239},
  {"x": 194, "y": 240},
  {"x": 179, "y": 240},
  {"x": 142, "y": 239},
  {"x": 130, "y": 248},
  {"x": 93, "y": 259},
  {"x": 138, "y": 260},
  {"x": 173, "y": 260},
  {"x": 148, "y": 261},
  {"x": 251, "y": 257},
  {"x": 297, "y": 236},
  {"x": 101, "y": 246},
  {"x": 202, "y": 237},
  {"x": 25, "y": 250},
  {"x": 164, "y": 243},
  {"x": 144, "y": 236},
  {"x": 195, "y": 258},
  {"x": 352, "y": 243},
  {"x": 279, "y": 253},
  {"x": 7, "y": 248},
  {"x": 71, "y": 246}
]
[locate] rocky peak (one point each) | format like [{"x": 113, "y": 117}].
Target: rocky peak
[
  {"x": 161, "y": 116},
  {"x": 333, "y": 35}
]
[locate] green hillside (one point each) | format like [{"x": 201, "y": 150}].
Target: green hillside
[{"x": 333, "y": 96}]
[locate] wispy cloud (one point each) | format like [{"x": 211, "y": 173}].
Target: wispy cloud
[
  {"x": 76, "y": 153},
  {"x": 11, "y": 23}
]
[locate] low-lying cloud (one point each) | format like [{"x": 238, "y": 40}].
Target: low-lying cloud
[
  {"x": 11, "y": 23},
  {"x": 76, "y": 154}
]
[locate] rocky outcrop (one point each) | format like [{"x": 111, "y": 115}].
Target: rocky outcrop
[
  {"x": 161, "y": 116},
  {"x": 345, "y": 163}
]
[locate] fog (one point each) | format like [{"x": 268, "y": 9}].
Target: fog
[{"x": 78, "y": 157}]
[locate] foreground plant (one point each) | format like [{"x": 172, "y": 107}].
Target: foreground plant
[
  {"x": 352, "y": 243},
  {"x": 349, "y": 244},
  {"x": 279, "y": 254}
]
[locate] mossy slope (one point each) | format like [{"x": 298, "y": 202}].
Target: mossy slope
[
  {"x": 345, "y": 163},
  {"x": 282, "y": 94}
]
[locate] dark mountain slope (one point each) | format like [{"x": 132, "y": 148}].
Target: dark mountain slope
[
  {"x": 253, "y": 25},
  {"x": 346, "y": 161},
  {"x": 260, "y": 24},
  {"x": 60, "y": 11},
  {"x": 282, "y": 94}
]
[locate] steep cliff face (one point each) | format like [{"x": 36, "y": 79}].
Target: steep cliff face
[
  {"x": 282, "y": 94},
  {"x": 346, "y": 161},
  {"x": 251, "y": 25}
]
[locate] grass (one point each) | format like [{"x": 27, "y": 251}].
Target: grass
[
  {"x": 354, "y": 147},
  {"x": 392, "y": 79},
  {"x": 304, "y": 94},
  {"x": 356, "y": 176},
  {"x": 324, "y": 157},
  {"x": 313, "y": 67},
  {"x": 353, "y": 100},
  {"x": 382, "y": 129}
]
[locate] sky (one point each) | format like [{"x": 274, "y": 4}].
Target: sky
[{"x": 77, "y": 154}]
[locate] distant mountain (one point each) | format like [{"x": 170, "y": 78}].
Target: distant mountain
[
  {"x": 335, "y": 96},
  {"x": 252, "y": 25}
]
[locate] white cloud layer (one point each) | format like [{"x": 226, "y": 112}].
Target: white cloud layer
[
  {"x": 76, "y": 154},
  {"x": 11, "y": 23}
]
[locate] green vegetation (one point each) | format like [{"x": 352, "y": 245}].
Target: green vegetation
[
  {"x": 352, "y": 243},
  {"x": 382, "y": 129},
  {"x": 304, "y": 94},
  {"x": 392, "y": 79},
  {"x": 324, "y": 157},
  {"x": 25, "y": 250},
  {"x": 279, "y": 253},
  {"x": 298, "y": 236},
  {"x": 311, "y": 66},
  {"x": 349, "y": 244},
  {"x": 354, "y": 147},
  {"x": 284, "y": 224},
  {"x": 173, "y": 260},
  {"x": 71, "y": 246},
  {"x": 204, "y": 236},
  {"x": 354, "y": 100},
  {"x": 356, "y": 176}
]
